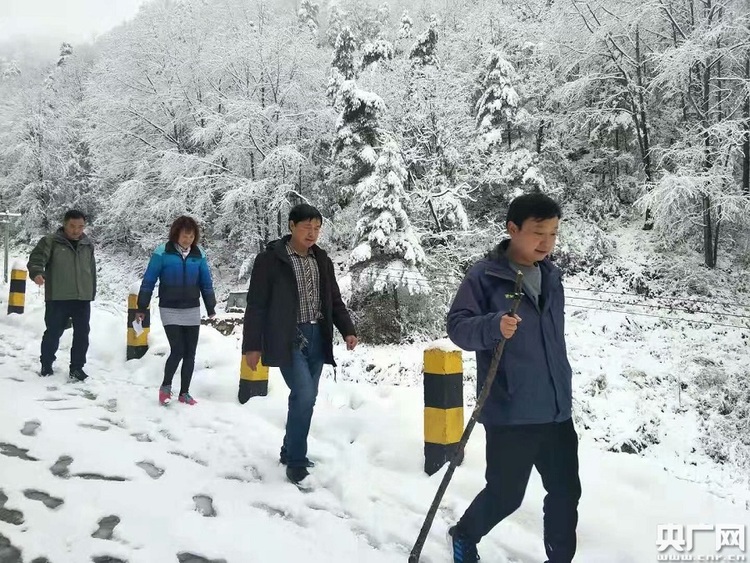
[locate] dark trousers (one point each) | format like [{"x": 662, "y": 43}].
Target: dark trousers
[
  {"x": 56, "y": 316},
  {"x": 302, "y": 376},
  {"x": 511, "y": 453},
  {"x": 183, "y": 342}
]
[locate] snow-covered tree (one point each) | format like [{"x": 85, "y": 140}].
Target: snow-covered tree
[
  {"x": 406, "y": 29},
  {"x": 335, "y": 25},
  {"x": 66, "y": 50},
  {"x": 384, "y": 15},
  {"x": 343, "y": 67},
  {"x": 424, "y": 50},
  {"x": 9, "y": 70},
  {"x": 308, "y": 16},
  {"x": 358, "y": 134},
  {"x": 380, "y": 50},
  {"x": 498, "y": 100},
  {"x": 343, "y": 54},
  {"x": 387, "y": 254}
]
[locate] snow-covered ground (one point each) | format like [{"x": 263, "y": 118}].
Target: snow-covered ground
[{"x": 205, "y": 480}]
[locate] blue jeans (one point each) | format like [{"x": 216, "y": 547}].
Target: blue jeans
[{"x": 302, "y": 376}]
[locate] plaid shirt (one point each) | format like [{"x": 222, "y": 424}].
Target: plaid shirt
[{"x": 308, "y": 284}]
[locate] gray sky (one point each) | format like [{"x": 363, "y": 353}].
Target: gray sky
[{"x": 70, "y": 20}]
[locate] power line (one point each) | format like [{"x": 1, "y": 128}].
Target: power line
[
  {"x": 602, "y": 309},
  {"x": 669, "y": 298},
  {"x": 661, "y": 307},
  {"x": 446, "y": 279}
]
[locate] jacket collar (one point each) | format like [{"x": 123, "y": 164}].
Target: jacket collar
[
  {"x": 60, "y": 237},
  {"x": 279, "y": 248},
  {"x": 171, "y": 248}
]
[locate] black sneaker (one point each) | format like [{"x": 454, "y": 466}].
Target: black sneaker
[
  {"x": 462, "y": 549},
  {"x": 46, "y": 370},
  {"x": 296, "y": 474},
  {"x": 78, "y": 374}
]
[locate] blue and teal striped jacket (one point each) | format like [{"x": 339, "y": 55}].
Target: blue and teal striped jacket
[{"x": 181, "y": 281}]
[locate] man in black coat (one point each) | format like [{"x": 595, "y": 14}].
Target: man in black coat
[{"x": 293, "y": 303}]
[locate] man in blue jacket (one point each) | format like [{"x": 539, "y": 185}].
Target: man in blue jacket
[{"x": 527, "y": 417}]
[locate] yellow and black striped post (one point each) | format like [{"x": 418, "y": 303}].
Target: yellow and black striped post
[
  {"x": 443, "y": 406},
  {"x": 17, "y": 292},
  {"x": 253, "y": 383},
  {"x": 137, "y": 345}
]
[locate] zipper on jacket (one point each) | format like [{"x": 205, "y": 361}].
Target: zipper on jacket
[{"x": 184, "y": 275}]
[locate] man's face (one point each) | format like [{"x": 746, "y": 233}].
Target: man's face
[
  {"x": 305, "y": 233},
  {"x": 73, "y": 228},
  {"x": 534, "y": 240}
]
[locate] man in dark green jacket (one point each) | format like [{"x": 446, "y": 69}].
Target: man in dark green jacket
[{"x": 63, "y": 262}]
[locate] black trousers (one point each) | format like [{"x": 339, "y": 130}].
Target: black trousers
[
  {"x": 56, "y": 316},
  {"x": 511, "y": 453},
  {"x": 183, "y": 342}
]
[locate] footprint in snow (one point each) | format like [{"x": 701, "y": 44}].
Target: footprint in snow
[
  {"x": 106, "y": 527},
  {"x": 152, "y": 470},
  {"x": 8, "y": 552},
  {"x": 9, "y": 516},
  {"x": 30, "y": 427},
  {"x": 60, "y": 467},
  {"x": 10, "y": 450},
  {"x": 49, "y": 501},
  {"x": 186, "y": 557},
  {"x": 204, "y": 505}
]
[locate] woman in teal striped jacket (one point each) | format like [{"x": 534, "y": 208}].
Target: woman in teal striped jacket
[{"x": 181, "y": 268}]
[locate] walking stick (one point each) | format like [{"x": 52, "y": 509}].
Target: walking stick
[{"x": 458, "y": 454}]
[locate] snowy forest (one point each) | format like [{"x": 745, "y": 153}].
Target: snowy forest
[{"x": 411, "y": 125}]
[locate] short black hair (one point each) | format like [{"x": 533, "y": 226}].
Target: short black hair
[
  {"x": 304, "y": 212},
  {"x": 73, "y": 214},
  {"x": 532, "y": 206}
]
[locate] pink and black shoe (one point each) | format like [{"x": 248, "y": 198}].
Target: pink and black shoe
[
  {"x": 187, "y": 399},
  {"x": 165, "y": 395}
]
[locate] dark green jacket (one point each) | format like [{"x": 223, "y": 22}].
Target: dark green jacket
[{"x": 69, "y": 272}]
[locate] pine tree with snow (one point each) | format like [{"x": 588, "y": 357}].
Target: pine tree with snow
[
  {"x": 335, "y": 25},
  {"x": 308, "y": 16},
  {"x": 384, "y": 15},
  {"x": 389, "y": 289},
  {"x": 343, "y": 66},
  {"x": 66, "y": 50},
  {"x": 388, "y": 255},
  {"x": 10, "y": 70},
  {"x": 424, "y": 51},
  {"x": 379, "y": 50},
  {"x": 357, "y": 133},
  {"x": 406, "y": 31},
  {"x": 343, "y": 54},
  {"x": 498, "y": 100}
]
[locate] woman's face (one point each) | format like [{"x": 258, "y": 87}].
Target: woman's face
[{"x": 186, "y": 239}]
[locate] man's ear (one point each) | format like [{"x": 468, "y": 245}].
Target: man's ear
[
  {"x": 291, "y": 226},
  {"x": 512, "y": 228}
]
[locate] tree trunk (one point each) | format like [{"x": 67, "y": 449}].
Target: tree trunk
[
  {"x": 540, "y": 137},
  {"x": 708, "y": 238},
  {"x": 746, "y": 143},
  {"x": 397, "y": 311},
  {"x": 510, "y": 145},
  {"x": 708, "y": 235},
  {"x": 648, "y": 223},
  {"x": 716, "y": 236},
  {"x": 434, "y": 216}
]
